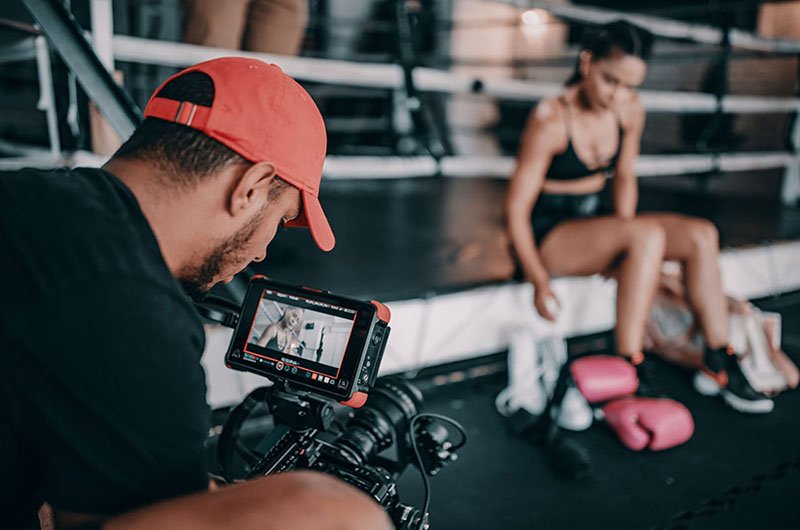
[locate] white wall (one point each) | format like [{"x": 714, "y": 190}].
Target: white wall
[{"x": 479, "y": 321}]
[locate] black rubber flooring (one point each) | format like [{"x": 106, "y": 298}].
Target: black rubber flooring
[
  {"x": 737, "y": 471},
  {"x": 401, "y": 239}
]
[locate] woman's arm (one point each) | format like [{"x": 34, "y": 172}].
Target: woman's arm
[
  {"x": 626, "y": 192},
  {"x": 268, "y": 334},
  {"x": 543, "y": 137}
]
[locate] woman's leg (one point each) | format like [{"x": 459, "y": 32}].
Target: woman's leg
[
  {"x": 589, "y": 246},
  {"x": 695, "y": 242}
]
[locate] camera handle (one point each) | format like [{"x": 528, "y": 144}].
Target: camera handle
[
  {"x": 287, "y": 446},
  {"x": 298, "y": 420},
  {"x": 218, "y": 310}
]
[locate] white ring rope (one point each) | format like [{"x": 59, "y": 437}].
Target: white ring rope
[
  {"x": 21, "y": 50},
  {"x": 662, "y": 27},
  {"x": 390, "y": 76},
  {"x": 391, "y": 167},
  {"x": 385, "y": 167}
]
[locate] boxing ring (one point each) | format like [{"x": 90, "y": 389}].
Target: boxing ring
[
  {"x": 438, "y": 325},
  {"x": 429, "y": 240}
]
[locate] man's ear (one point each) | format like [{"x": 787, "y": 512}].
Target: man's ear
[{"x": 251, "y": 187}]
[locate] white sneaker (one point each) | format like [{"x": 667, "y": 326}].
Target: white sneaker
[
  {"x": 574, "y": 414},
  {"x": 748, "y": 403}
]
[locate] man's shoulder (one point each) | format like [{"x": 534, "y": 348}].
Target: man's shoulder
[
  {"x": 76, "y": 240},
  {"x": 66, "y": 227},
  {"x": 66, "y": 197},
  {"x": 48, "y": 185}
]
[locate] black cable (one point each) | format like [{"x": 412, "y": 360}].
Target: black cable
[
  {"x": 425, "y": 483},
  {"x": 422, "y": 470},
  {"x": 451, "y": 421}
]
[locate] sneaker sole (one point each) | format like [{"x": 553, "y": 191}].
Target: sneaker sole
[
  {"x": 704, "y": 385},
  {"x": 762, "y": 406}
]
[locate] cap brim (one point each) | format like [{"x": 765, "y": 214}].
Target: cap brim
[{"x": 314, "y": 218}]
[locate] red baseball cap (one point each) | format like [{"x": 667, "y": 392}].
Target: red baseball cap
[{"x": 264, "y": 115}]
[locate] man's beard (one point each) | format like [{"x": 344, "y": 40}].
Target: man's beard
[{"x": 196, "y": 281}]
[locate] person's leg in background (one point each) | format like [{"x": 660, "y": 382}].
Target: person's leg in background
[
  {"x": 215, "y": 23},
  {"x": 695, "y": 243},
  {"x": 276, "y": 26}
]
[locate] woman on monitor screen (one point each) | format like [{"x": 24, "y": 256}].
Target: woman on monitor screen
[{"x": 282, "y": 335}]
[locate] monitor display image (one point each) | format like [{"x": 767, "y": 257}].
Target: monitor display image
[{"x": 295, "y": 329}]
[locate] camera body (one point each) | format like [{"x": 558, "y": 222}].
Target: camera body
[
  {"x": 311, "y": 339},
  {"x": 370, "y": 451},
  {"x": 318, "y": 348}
]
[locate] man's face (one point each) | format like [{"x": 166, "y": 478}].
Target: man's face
[{"x": 247, "y": 243}]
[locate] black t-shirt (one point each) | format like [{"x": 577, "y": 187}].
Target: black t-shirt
[{"x": 102, "y": 396}]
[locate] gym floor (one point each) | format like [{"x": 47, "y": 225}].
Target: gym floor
[{"x": 737, "y": 471}]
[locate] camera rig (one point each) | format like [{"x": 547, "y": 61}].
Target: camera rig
[{"x": 385, "y": 431}]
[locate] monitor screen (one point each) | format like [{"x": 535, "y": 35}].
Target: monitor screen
[{"x": 300, "y": 333}]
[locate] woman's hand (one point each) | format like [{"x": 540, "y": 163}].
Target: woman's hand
[{"x": 546, "y": 302}]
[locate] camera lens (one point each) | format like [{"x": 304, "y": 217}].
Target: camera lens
[{"x": 383, "y": 419}]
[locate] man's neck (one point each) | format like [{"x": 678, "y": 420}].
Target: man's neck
[{"x": 175, "y": 215}]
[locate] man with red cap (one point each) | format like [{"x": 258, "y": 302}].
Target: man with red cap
[{"x": 102, "y": 396}]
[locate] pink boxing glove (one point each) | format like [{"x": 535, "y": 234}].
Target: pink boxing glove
[
  {"x": 644, "y": 422},
  {"x": 603, "y": 377}
]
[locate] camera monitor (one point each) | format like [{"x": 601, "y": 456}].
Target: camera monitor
[{"x": 326, "y": 343}]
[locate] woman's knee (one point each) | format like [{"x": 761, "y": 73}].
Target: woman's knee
[
  {"x": 703, "y": 237},
  {"x": 646, "y": 235}
]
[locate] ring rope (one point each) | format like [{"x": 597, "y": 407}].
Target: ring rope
[
  {"x": 388, "y": 167},
  {"x": 662, "y": 27},
  {"x": 390, "y": 76},
  {"x": 463, "y": 166}
]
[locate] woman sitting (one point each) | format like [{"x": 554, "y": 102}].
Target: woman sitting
[{"x": 559, "y": 225}]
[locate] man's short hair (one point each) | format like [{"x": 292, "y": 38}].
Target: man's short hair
[{"x": 183, "y": 153}]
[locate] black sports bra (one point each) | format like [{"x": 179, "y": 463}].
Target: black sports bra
[
  {"x": 273, "y": 344},
  {"x": 567, "y": 166}
]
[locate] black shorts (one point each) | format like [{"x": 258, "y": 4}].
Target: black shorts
[{"x": 551, "y": 209}]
